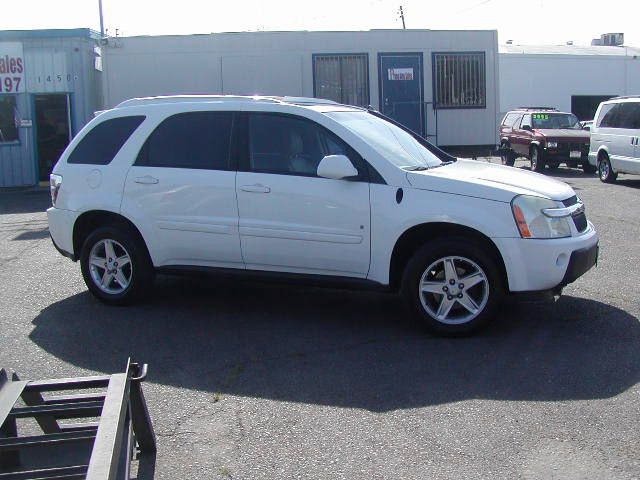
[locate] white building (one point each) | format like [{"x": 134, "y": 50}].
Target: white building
[
  {"x": 442, "y": 84},
  {"x": 568, "y": 77}
]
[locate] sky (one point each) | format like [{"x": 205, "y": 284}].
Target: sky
[{"x": 533, "y": 22}]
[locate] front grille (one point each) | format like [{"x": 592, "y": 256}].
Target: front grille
[
  {"x": 579, "y": 219},
  {"x": 566, "y": 147}
]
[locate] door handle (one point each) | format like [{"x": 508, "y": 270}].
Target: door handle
[
  {"x": 257, "y": 188},
  {"x": 147, "y": 180}
]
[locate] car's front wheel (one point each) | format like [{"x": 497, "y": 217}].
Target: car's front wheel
[
  {"x": 116, "y": 266},
  {"x": 605, "y": 172},
  {"x": 537, "y": 164},
  {"x": 453, "y": 286}
]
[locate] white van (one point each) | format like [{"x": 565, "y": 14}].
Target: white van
[{"x": 615, "y": 137}]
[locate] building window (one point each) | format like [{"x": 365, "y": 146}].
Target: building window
[
  {"x": 342, "y": 78},
  {"x": 9, "y": 119},
  {"x": 459, "y": 80}
]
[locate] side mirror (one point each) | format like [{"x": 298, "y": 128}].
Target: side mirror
[
  {"x": 526, "y": 127},
  {"x": 336, "y": 167}
]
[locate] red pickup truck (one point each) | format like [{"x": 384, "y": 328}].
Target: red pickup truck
[{"x": 547, "y": 137}]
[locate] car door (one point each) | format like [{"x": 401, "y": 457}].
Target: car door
[
  {"x": 181, "y": 192},
  {"x": 617, "y": 135},
  {"x": 522, "y": 137},
  {"x": 633, "y": 124},
  {"x": 291, "y": 219}
]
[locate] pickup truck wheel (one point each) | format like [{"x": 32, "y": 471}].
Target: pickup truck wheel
[
  {"x": 452, "y": 286},
  {"x": 115, "y": 266},
  {"x": 588, "y": 168},
  {"x": 537, "y": 164},
  {"x": 605, "y": 172},
  {"x": 507, "y": 156}
]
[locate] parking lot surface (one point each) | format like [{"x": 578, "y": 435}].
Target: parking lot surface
[{"x": 253, "y": 381}]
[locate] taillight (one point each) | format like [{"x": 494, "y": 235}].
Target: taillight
[{"x": 55, "y": 182}]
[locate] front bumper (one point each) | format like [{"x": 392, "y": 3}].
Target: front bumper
[
  {"x": 534, "y": 265},
  {"x": 580, "y": 263}
]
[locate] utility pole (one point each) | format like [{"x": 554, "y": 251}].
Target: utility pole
[
  {"x": 101, "y": 19},
  {"x": 401, "y": 17}
]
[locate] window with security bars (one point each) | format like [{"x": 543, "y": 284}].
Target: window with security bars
[
  {"x": 342, "y": 78},
  {"x": 459, "y": 80}
]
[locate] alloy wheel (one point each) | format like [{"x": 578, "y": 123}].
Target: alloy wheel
[
  {"x": 454, "y": 290},
  {"x": 110, "y": 266},
  {"x": 604, "y": 170}
]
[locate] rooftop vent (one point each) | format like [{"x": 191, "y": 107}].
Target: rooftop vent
[{"x": 609, "y": 40}]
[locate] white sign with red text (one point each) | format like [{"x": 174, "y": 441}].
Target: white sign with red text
[
  {"x": 400, "y": 73},
  {"x": 11, "y": 67}
]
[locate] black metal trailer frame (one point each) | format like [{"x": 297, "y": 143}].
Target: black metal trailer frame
[{"x": 124, "y": 427}]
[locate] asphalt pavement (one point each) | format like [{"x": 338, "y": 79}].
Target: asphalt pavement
[{"x": 257, "y": 381}]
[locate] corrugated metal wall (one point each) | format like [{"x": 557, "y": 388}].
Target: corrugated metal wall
[{"x": 70, "y": 58}]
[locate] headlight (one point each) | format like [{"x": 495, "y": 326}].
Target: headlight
[
  {"x": 552, "y": 144},
  {"x": 532, "y": 222}
]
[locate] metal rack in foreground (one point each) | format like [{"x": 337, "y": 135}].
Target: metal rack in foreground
[{"x": 100, "y": 450}]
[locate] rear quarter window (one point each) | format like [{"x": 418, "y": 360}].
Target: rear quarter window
[
  {"x": 510, "y": 119},
  {"x": 104, "y": 141},
  {"x": 607, "y": 116}
]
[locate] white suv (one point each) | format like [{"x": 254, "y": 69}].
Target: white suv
[
  {"x": 308, "y": 188},
  {"x": 615, "y": 138}
]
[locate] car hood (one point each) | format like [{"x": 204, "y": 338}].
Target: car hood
[
  {"x": 564, "y": 133},
  {"x": 479, "y": 179}
]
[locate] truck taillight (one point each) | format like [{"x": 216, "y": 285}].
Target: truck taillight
[{"x": 55, "y": 182}]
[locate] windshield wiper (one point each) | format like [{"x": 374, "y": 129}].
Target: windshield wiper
[
  {"x": 416, "y": 169},
  {"x": 421, "y": 168}
]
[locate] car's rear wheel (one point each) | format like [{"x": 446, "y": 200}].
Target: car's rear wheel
[
  {"x": 507, "y": 156},
  {"x": 588, "y": 168},
  {"x": 537, "y": 164},
  {"x": 605, "y": 172},
  {"x": 452, "y": 286},
  {"x": 116, "y": 266}
]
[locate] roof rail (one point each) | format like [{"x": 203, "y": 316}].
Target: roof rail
[
  {"x": 538, "y": 108},
  {"x": 193, "y": 99},
  {"x": 223, "y": 98},
  {"x": 624, "y": 97}
]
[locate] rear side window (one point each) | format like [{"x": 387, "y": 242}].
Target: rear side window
[
  {"x": 510, "y": 119},
  {"x": 195, "y": 140},
  {"x": 630, "y": 115},
  {"x": 104, "y": 141}
]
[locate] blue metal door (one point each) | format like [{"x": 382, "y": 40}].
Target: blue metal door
[{"x": 401, "y": 88}]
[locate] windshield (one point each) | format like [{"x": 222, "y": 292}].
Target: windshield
[
  {"x": 555, "y": 120},
  {"x": 396, "y": 145}
]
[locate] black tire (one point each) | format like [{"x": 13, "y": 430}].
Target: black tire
[
  {"x": 537, "y": 163},
  {"x": 419, "y": 268},
  {"x": 139, "y": 271},
  {"x": 507, "y": 156},
  {"x": 553, "y": 166},
  {"x": 605, "y": 172},
  {"x": 588, "y": 169}
]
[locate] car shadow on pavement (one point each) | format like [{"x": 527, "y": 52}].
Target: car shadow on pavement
[
  {"x": 337, "y": 348},
  {"x": 24, "y": 201}
]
